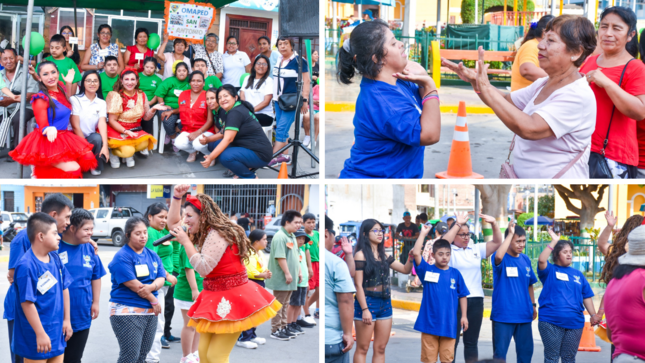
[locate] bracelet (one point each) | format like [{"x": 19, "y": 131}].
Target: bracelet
[
  {"x": 429, "y": 98},
  {"x": 433, "y": 91},
  {"x": 154, "y": 303},
  {"x": 478, "y": 92},
  {"x": 550, "y": 247},
  {"x": 156, "y": 288},
  {"x": 173, "y": 197},
  {"x": 364, "y": 309}
]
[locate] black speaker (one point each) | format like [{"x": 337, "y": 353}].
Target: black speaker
[{"x": 299, "y": 18}]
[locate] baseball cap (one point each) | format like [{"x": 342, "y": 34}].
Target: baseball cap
[{"x": 406, "y": 214}]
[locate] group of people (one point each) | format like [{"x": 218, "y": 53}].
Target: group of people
[
  {"x": 358, "y": 293},
  {"x": 102, "y": 108},
  {"x": 577, "y": 98},
  {"x": 209, "y": 270}
]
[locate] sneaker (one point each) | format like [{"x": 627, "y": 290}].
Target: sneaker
[
  {"x": 310, "y": 320},
  {"x": 129, "y": 161},
  {"x": 164, "y": 343},
  {"x": 304, "y": 324},
  {"x": 295, "y": 329},
  {"x": 167, "y": 139},
  {"x": 95, "y": 172},
  {"x": 195, "y": 356},
  {"x": 115, "y": 161},
  {"x": 259, "y": 341},
  {"x": 286, "y": 331},
  {"x": 173, "y": 339},
  {"x": 279, "y": 335},
  {"x": 247, "y": 345},
  {"x": 306, "y": 141},
  {"x": 280, "y": 159},
  {"x": 144, "y": 153}
]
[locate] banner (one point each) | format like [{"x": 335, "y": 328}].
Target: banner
[
  {"x": 155, "y": 191},
  {"x": 189, "y": 21}
]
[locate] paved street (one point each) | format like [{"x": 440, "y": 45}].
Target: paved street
[
  {"x": 405, "y": 345},
  {"x": 102, "y": 346}
]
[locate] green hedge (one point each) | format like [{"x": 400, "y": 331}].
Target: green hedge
[{"x": 468, "y": 8}]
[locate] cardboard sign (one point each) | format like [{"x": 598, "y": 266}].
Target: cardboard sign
[
  {"x": 73, "y": 40},
  {"x": 189, "y": 21}
]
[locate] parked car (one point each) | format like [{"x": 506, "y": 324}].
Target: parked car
[
  {"x": 18, "y": 218},
  {"x": 271, "y": 229},
  {"x": 350, "y": 229},
  {"x": 109, "y": 223}
]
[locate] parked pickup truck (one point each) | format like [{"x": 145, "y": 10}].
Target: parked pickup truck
[{"x": 109, "y": 223}]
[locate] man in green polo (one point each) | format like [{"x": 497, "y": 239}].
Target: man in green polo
[{"x": 285, "y": 271}]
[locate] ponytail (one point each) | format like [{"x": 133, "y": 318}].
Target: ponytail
[
  {"x": 346, "y": 68},
  {"x": 364, "y": 51}
]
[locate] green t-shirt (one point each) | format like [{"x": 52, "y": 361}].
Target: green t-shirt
[
  {"x": 64, "y": 65},
  {"x": 314, "y": 250},
  {"x": 212, "y": 82},
  {"x": 149, "y": 84},
  {"x": 175, "y": 255},
  {"x": 283, "y": 245},
  {"x": 164, "y": 252},
  {"x": 107, "y": 84},
  {"x": 170, "y": 89},
  {"x": 303, "y": 268},
  {"x": 182, "y": 289}
]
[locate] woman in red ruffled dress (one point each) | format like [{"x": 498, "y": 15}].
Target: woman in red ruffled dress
[
  {"x": 52, "y": 150},
  {"x": 216, "y": 248}
]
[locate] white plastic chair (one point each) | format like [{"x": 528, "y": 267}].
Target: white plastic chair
[
  {"x": 162, "y": 136},
  {"x": 155, "y": 131}
]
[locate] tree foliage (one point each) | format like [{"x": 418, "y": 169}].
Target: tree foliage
[
  {"x": 590, "y": 204},
  {"x": 523, "y": 218},
  {"x": 468, "y": 8},
  {"x": 546, "y": 205}
]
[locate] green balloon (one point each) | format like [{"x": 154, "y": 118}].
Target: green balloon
[
  {"x": 36, "y": 43},
  {"x": 154, "y": 41}
]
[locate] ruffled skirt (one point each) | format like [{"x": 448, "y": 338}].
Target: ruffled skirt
[{"x": 115, "y": 139}]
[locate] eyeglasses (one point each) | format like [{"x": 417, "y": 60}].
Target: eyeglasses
[
  {"x": 464, "y": 235},
  {"x": 261, "y": 64},
  {"x": 377, "y": 231},
  {"x": 92, "y": 81},
  {"x": 229, "y": 43},
  {"x": 211, "y": 41},
  {"x": 105, "y": 33},
  {"x": 66, "y": 33}
]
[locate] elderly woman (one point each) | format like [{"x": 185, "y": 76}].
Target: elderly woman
[
  {"x": 209, "y": 52},
  {"x": 619, "y": 106},
  {"x": 169, "y": 58},
  {"x": 553, "y": 118},
  {"x": 95, "y": 58},
  {"x": 135, "y": 54}
]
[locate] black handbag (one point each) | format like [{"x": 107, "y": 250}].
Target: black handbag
[
  {"x": 598, "y": 167},
  {"x": 286, "y": 101}
]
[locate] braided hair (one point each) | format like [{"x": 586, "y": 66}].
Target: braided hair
[
  {"x": 42, "y": 88},
  {"x": 212, "y": 217},
  {"x": 617, "y": 249}
]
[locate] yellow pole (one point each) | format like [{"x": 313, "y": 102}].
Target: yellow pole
[
  {"x": 561, "y": 5},
  {"x": 524, "y": 10},
  {"x": 596, "y": 18},
  {"x": 278, "y": 196},
  {"x": 515, "y": 13},
  {"x": 504, "y": 22}
]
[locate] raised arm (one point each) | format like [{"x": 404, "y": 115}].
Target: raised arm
[
  {"x": 418, "y": 245},
  {"x": 349, "y": 255},
  {"x": 492, "y": 246},
  {"x": 603, "y": 239},
  {"x": 501, "y": 252},
  {"x": 174, "y": 212},
  {"x": 544, "y": 256},
  {"x": 461, "y": 220}
]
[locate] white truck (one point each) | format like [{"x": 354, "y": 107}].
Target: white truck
[{"x": 109, "y": 223}]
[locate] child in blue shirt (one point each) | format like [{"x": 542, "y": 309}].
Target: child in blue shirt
[
  {"x": 513, "y": 297},
  {"x": 443, "y": 289},
  {"x": 78, "y": 256},
  {"x": 41, "y": 283}
]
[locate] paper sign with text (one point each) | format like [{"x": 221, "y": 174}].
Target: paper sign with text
[{"x": 189, "y": 21}]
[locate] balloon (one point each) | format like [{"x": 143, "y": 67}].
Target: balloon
[
  {"x": 243, "y": 79},
  {"x": 154, "y": 41},
  {"x": 36, "y": 43}
]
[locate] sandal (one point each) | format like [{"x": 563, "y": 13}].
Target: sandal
[{"x": 229, "y": 174}]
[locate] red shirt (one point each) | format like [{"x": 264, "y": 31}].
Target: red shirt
[
  {"x": 193, "y": 118},
  {"x": 623, "y": 143},
  {"x": 132, "y": 62}
]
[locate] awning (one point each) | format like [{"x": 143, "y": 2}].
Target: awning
[
  {"x": 140, "y": 5},
  {"x": 368, "y": 2}
]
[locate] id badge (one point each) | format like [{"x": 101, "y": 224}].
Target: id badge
[
  {"x": 138, "y": 56},
  {"x": 104, "y": 52},
  {"x": 511, "y": 272},
  {"x": 178, "y": 92},
  {"x": 562, "y": 276},
  {"x": 432, "y": 277},
  {"x": 142, "y": 270},
  {"x": 45, "y": 282},
  {"x": 275, "y": 72},
  {"x": 63, "y": 257}
]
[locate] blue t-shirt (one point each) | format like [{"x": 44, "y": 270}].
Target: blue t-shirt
[
  {"x": 511, "y": 300},
  {"x": 49, "y": 305},
  {"x": 19, "y": 245},
  {"x": 288, "y": 75},
  {"x": 387, "y": 132},
  {"x": 438, "y": 312},
  {"x": 337, "y": 280},
  {"x": 122, "y": 267},
  {"x": 85, "y": 266},
  {"x": 561, "y": 301}
]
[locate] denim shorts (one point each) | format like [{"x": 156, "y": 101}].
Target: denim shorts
[
  {"x": 380, "y": 309},
  {"x": 283, "y": 122}
]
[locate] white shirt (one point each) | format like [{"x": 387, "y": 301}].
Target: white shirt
[
  {"x": 571, "y": 114},
  {"x": 234, "y": 67},
  {"x": 88, "y": 112},
  {"x": 469, "y": 263},
  {"x": 256, "y": 96}
]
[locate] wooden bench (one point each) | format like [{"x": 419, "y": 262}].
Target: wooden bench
[{"x": 458, "y": 55}]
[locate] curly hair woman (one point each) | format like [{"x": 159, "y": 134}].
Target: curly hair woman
[{"x": 217, "y": 249}]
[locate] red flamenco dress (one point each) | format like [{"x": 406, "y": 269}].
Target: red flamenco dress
[
  {"x": 35, "y": 149},
  {"x": 230, "y": 303}
]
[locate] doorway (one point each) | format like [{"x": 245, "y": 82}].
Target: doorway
[
  {"x": 247, "y": 30},
  {"x": 77, "y": 200}
]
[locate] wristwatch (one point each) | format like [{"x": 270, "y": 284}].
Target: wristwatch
[
  {"x": 305, "y": 100},
  {"x": 534, "y": 305}
]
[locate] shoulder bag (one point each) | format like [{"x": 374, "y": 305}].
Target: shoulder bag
[
  {"x": 598, "y": 167},
  {"x": 286, "y": 101},
  {"x": 507, "y": 171}
]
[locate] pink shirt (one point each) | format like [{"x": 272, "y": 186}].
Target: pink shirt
[
  {"x": 625, "y": 312},
  {"x": 571, "y": 114},
  {"x": 316, "y": 97}
]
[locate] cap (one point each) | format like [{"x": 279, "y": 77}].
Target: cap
[
  {"x": 441, "y": 228},
  {"x": 406, "y": 214},
  {"x": 300, "y": 233}
]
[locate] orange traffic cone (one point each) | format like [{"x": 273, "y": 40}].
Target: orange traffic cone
[
  {"x": 283, "y": 174},
  {"x": 460, "y": 164},
  {"x": 588, "y": 340}
]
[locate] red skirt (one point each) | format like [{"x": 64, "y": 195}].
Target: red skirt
[{"x": 36, "y": 150}]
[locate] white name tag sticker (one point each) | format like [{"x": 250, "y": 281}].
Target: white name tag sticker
[
  {"x": 104, "y": 52},
  {"x": 73, "y": 40},
  {"x": 138, "y": 56},
  {"x": 142, "y": 270},
  {"x": 178, "y": 92},
  {"x": 432, "y": 276},
  {"x": 63, "y": 257},
  {"x": 511, "y": 272},
  {"x": 562, "y": 276},
  {"x": 45, "y": 282}
]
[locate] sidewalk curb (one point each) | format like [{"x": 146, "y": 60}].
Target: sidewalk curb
[
  {"x": 415, "y": 306},
  {"x": 351, "y": 107}
]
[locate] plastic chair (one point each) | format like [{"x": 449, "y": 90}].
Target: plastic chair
[
  {"x": 155, "y": 131},
  {"x": 162, "y": 137}
]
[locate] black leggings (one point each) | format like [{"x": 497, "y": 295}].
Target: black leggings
[
  {"x": 76, "y": 346},
  {"x": 475, "y": 315},
  {"x": 170, "y": 309},
  {"x": 265, "y": 120}
]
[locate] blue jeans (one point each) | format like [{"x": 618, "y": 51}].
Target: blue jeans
[
  {"x": 334, "y": 353},
  {"x": 238, "y": 160},
  {"x": 521, "y": 333},
  {"x": 381, "y": 309},
  {"x": 283, "y": 122}
]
